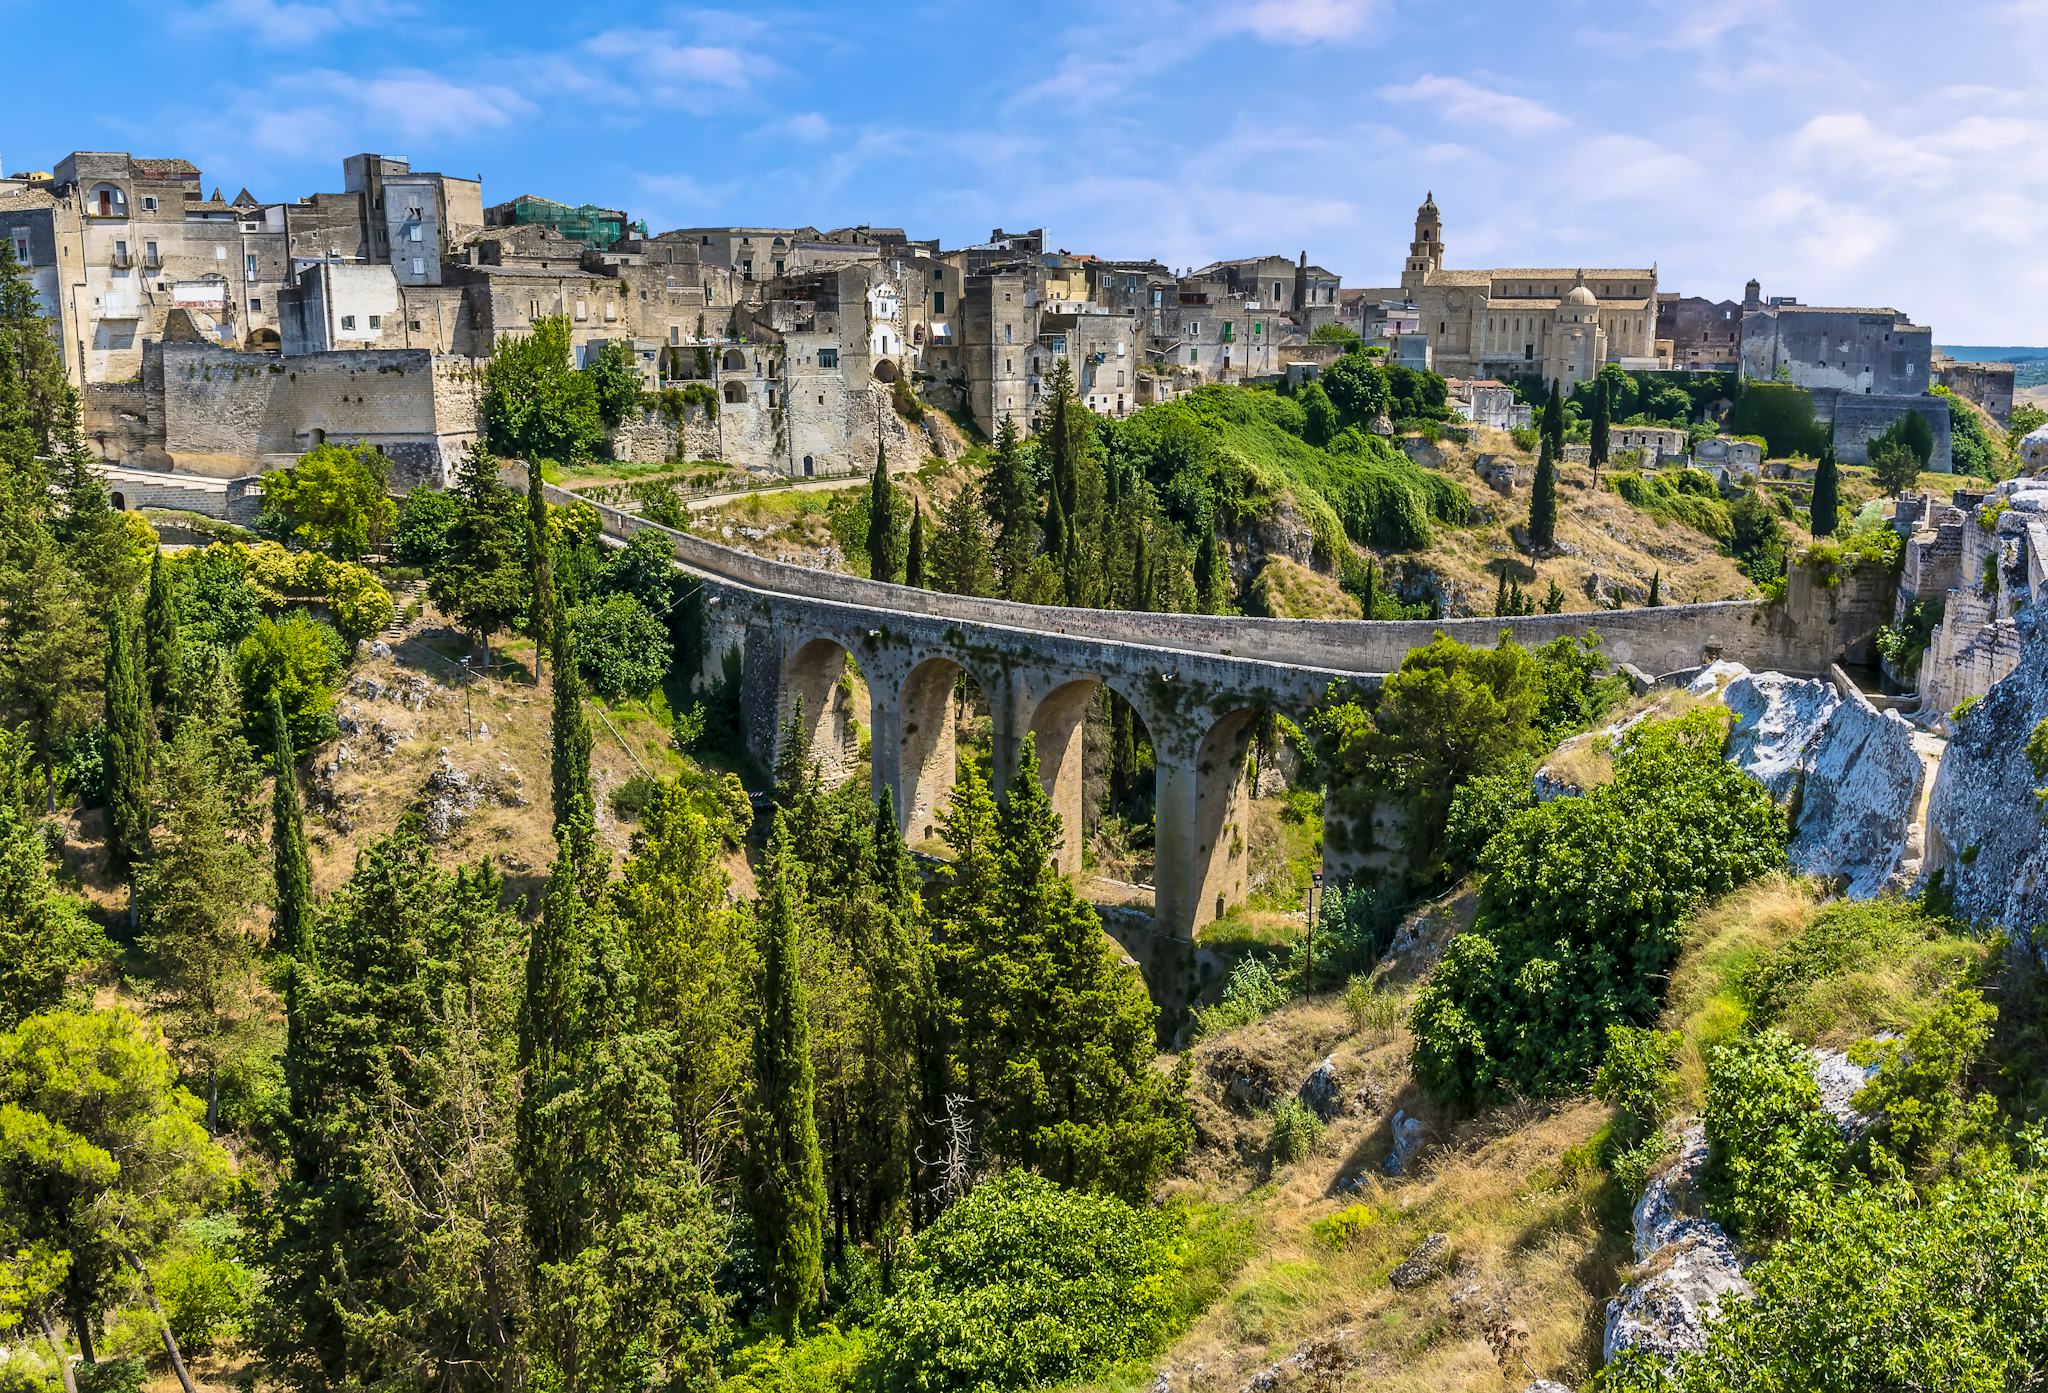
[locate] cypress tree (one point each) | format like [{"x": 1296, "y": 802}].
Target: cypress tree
[
  {"x": 160, "y": 635},
  {"x": 1055, "y": 527},
  {"x": 290, "y": 863},
  {"x": 1543, "y": 496},
  {"x": 1827, "y": 495},
  {"x": 541, "y": 558},
  {"x": 1500, "y": 594},
  {"x": 544, "y": 1007},
  {"x": 788, "y": 1182},
  {"x": 1141, "y": 570},
  {"x": 881, "y": 520},
  {"x": 127, "y": 750},
  {"x": 1370, "y": 600},
  {"x": 1074, "y": 580},
  {"x": 913, "y": 559},
  {"x": 1012, "y": 501},
  {"x": 1553, "y": 417},
  {"x": 575, "y": 809},
  {"x": 1208, "y": 568},
  {"x": 1656, "y": 588},
  {"x": 1603, "y": 409}
]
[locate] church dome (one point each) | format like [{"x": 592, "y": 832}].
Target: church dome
[{"x": 1578, "y": 295}]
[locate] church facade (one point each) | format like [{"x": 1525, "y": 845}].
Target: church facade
[{"x": 1513, "y": 322}]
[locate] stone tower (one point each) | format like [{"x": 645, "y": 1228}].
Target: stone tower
[{"x": 1426, "y": 252}]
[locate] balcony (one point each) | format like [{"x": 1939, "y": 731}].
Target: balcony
[
  {"x": 151, "y": 261},
  {"x": 119, "y": 259}
]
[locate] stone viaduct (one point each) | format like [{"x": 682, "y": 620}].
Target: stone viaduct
[{"x": 1199, "y": 683}]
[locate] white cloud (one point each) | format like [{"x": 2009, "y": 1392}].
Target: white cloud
[
  {"x": 1456, "y": 99},
  {"x": 1303, "y": 21},
  {"x": 287, "y": 23},
  {"x": 659, "y": 68}
]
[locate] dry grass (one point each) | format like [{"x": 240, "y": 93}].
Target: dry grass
[
  {"x": 1604, "y": 544},
  {"x": 1287, "y": 589},
  {"x": 1720, "y": 944},
  {"x": 1530, "y": 1257}
]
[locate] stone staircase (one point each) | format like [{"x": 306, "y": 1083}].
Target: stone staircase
[{"x": 402, "y": 600}]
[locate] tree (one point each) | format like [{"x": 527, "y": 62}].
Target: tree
[
  {"x": 615, "y": 382},
  {"x": 913, "y": 557},
  {"x": 425, "y": 519},
  {"x": 1603, "y": 408},
  {"x": 535, "y": 404},
  {"x": 163, "y": 648},
  {"x": 332, "y": 500},
  {"x": 1894, "y": 463},
  {"x": 484, "y": 580},
  {"x": 786, "y": 1186},
  {"x": 1757, "y": 538},
  {"x": 291, "y": 867},
  {"x": 1824, "y": 515},
  {"x": 46, "y": 941},
  {"x": 963, "y": 559},
  {"x": 1011, "y": 495},
  {"x": 881, "y": 519},
  {"x": 297, "y": 661},
  {"x": 127, "y": 751},
  {"x": 1656, "y": 589},
  {"x": 1543, "y": 492},
  {"x": 541, "y": 557},
  {"x": 575, "y": 809},
  {"x": 2026, "y": 418},
  {"x": 195, "y": 901},
  {"x": 102, "y": 1156},
  {"x": 1319, "y": 413},
  {"x": 1770, "y": 1147},
  {"x": 624, "y": 651},
  {"x": 1357, "y": 387}
]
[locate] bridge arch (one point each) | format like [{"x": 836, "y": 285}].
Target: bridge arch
[
  {"x": 1204, "y": 848},
  {"x": 927, "y": 740},
  {"x": 812, "y": 691}
]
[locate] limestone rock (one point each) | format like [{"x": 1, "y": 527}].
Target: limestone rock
[
  {"x": 1985, "y": 832},
  {"x": 1709, "y": 680},
  {"x": 1840, "y": 1080},
  {"x": 1779, "y": 720},
  {"x": 1688, "y": 1263},
  {"x": 1425, "y": 1264},
  {"x": 1544, "y": 1385},
  {"x": 1323, "y": 1089},
  {"x": 1407, "y": 1141}
]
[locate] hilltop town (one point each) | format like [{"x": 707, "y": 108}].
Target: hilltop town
[{"x": 225, "y": 336}]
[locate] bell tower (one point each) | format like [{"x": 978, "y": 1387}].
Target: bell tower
[{"x": 1426, "y": 252}]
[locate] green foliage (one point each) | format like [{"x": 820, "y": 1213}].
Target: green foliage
[
  {"x": 420, "y": 535},
  {"x": 1296, "y": 1130},
  {"x": 1639, "y": 1080},
  {"x": 1756, "y": 539},
  {"x": 296, "y": 661},
  {"x": 1372, "y": 1011},
  {"x": 1874, "y": 1293},
  {"x": 129, "y": 732},
  {"x": 1894, "y": 463},
  {"x": 1858, "y": 968},
  {"x": 332, "y": 499},
  {"x": 614, "y": 383},
  {"x": 622, "y": 649},
  {"x": 46, "y": 941},
  {"x": 485, "y": 577},
  {"x": 881, "y": 521},
  {"x": 1782, "y": 414},
  {"x": 1333, "y": 332},
  {"x": 1972, "y": 450},
  {"x": 1579, "y": 914},
  {"x": 1252, "y": 991},
  {"x": 535, "y": 404},
  {"x": 1903, "y": 643},
  {"x": 1346, "y": 1226},
  {"x": 1689, "y": 496},
  {"x": 1924, "y": 1110},
  {"x": 1025, "y": 1285},
  {"x": 206, "y": 1290},
  {"x": 1824, "y": 512},
  {"x": 1771, "y": 1149}
]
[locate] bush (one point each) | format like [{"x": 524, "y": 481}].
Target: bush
[
  {"x": 1925, "y": 1114},
  {"x": 299, "y": 659},
  {"x": 205, "y": 1292},
  {"x": 1252, "y": 991},
  {"x": 623, "y": 650},
  {"x": 331, "y": 499},
  {"x": 1782, "y": 414},
  {"x": 631, "y": 798},
  {"x": 1346, "y": 1226},
  {"x": 1023, "y": 1285},
  {"x": 1296, "y": 1130},
  {"x": 1579, "y": 913},
  {"x": 1885, "y": 1291},
  {"x": 1354, "y": 924},
  {"x": 1372, "y": 1011},
  {"x": 1479, "y": 809},
  {"x": 1770, "y": 1147},
  {"x": 1682, "y": 495}
]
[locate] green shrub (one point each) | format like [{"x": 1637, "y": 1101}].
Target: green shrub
[
  {"x": 1346, "y": 1226},
  {"x": 1296, "y": 1130},
  {"x": 1924, "y": 1112},
  {"x": 1861, "y": 967},
  {"x": 206, "y": 1293},
  {"x": 621, "y": 648},
  {"x": 1252, "y": 991},
  {"x": 298, "y": 658},
  {"x": 1578, "y": 919},
  {"x": 1780, "y": 413},
  {"x": 1770, "y": 1147},
  {"x": 631, "y": 798},
  {"x": 1023, "y": 1285},
  {"x": 1884, "y": 1290},
  {"x": 1677, "y": 494},
  {"x": 1372, "y": 1010},
  {"x": 1480, "y": 808}
]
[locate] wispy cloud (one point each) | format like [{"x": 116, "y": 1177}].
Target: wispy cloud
[
  {"x": 289, "y": 23},
  {"x": 1468, "y": 103},
  {"x": 1304, "y": 21}
]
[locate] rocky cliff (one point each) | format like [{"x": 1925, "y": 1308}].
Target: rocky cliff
[{"x": 1985, "y": 829}]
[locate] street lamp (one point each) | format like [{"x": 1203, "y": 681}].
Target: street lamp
[
  {"x": 1315, "y": 883},
  {"x": 468, "y": 720}
]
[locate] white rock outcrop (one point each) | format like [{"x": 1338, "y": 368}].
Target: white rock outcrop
[
  {"x": 1854, "y": 771},
  {"x": 1689, "y": 1264}
]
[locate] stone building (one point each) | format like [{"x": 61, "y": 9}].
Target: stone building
[
  {"x": 1702, "y": 335},
  {"x": 1486, "y": 402},
  {"x": 1989, "y": 385},
  {"x": 1557, "y": 324},
  {"x": 1984, "y": 556},
  {"x": 1867, "y": 352},
  {"x": 1659, "y": 445},
  {"x": 1728, "y": 459}
]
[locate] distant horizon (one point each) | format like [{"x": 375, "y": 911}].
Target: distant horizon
[{"x": 1977, "y": 351}]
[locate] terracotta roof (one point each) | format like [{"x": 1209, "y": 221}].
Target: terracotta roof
[
  {"x": 1571, "y": 273},
  {"x": 1472, "y": 278},
  {"x": 163, "y": 168}
]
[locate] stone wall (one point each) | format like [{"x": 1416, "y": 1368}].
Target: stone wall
[
  {"x": 227, "y": 414},
  {"x": 231, "y": 500},
  {"x": 1861, "y": 419},
  {"x": 800, "y": 436}
]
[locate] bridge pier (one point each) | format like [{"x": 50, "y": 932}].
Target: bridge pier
[{"x": 1201, "y": 844}]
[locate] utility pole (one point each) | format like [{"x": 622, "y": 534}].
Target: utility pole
[{"x": 1315, "y": 883}]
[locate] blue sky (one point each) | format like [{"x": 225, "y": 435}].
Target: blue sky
[{"x": 1880, "y": 153}]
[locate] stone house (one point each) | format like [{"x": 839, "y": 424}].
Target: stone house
[
  {"x": 1728, "y": 459},
  {"x": 1989, "y": 385},
  {"x": 1660, "y": 445},
  {"x": 1702, "y": 335},
  {"x": 1486, "y": 402},
  {"x": 1866, "y": 352}
]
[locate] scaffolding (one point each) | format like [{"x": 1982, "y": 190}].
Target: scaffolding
[{"x": 599, "y": 227}]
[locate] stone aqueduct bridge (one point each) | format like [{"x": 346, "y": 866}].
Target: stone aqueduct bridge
[{"x": 1197, "y": 682}]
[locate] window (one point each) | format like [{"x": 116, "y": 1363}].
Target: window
[
  {"x": 249, "y": 265},
  {"x": 220, "y": 253},
  {"x": 1119, "y": 377},
  {"x": 1194, "y": 355},
  {"x": 1007, "y": 365},
  {"x": 120, "y": 252},
  {"x": 828, "y": 357},
  {"x": 413, "y": 324},
  {"x": 20, "y": 236},
  {"x": 1276, "y": 290},
  {"x": 938, "y": 299},
  {"x": 412, "y": 233},
  {"x": 1194, "y": 328},
  {"x": 419, "y": 266},
  {"x": 149, "y": 257},
  {"x": 376, "y": 321},
  {"x": 348, "y": 321},
  {"x": 582, "y": 311},
  {"x": 675, "y": 335},
  {"x": 1006, "y": 329},
  {"x": 149, "y": 203},
  {"x": 255, "y": 304}
]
